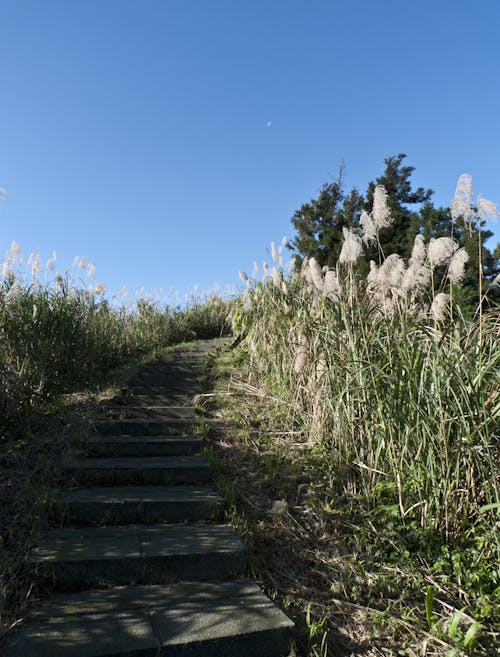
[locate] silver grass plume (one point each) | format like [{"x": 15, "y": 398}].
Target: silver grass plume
[
  {"x": 91, "y": 270},
  {"x": 255, "y": 270},
  {"x": 274, "y": 253},
  {"x": 275, "y": 275},
  {"x": 369, "y": 227},
  {"x": 439, "y": 307},
  {"x": 243, "y": 276},
  {"x": 316, "y": 275},
  {"x": 305, "y": 271},
  {"x": 331, "y": 287},
  {"x": 461, "y": 204},
  {"x": 440, "y": 250},
  {"x": 373, "y": 274},
  {"x": 419, "y": 252},
  {"x": 100, "y": 288},
  {"x": 391, "y": 271},
  {"x": 301, "y": 355},
  {"x": 456, "y": 268},
  {"x": 15, "y": 249},
  {"x": 351, "y": 248},
  {"x": 381, "y": 214},
  {"x": 51, "y": 262},
  {"x": 418, "y": 274},
  {"x": 265, "y": 270},
  {"x": 487, "y": 210},
  {"x": 14, "y": 292}
]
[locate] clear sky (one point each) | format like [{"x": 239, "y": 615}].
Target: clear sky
[{"x": 171, "y": 140}]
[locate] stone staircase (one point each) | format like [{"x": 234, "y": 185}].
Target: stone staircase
[{"x": 146, "y": 566}]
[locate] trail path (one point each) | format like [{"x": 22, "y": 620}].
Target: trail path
[{"x": 145, "y": 567}]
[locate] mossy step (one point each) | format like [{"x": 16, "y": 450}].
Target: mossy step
[
  {"x": 182, "y": 620},
  {"x": 118, "y": 446},
  {"x": 136, "y": 554},
  {"x": 143, "y": 427},
  {"x": 150, "y": 471},
  {"x": 141, "y": 504}
]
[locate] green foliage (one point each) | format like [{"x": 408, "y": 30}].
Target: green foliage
[
  {"x": 319, "y": 225},
  {"x": 53, "y": 338}
]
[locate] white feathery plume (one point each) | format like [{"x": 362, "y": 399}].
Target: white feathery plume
[
  {"x": 14, "y": 292},
  {"x": 35, "y": 311},
  {"x": 35, "y": 263},
  {"x": 417, "y": 276},
  {"x": 439, "y": 307},
  {"x": 243, "y": 276},
  {"x": 487, "y": 210},
  {"x": 370, "y": 232},
  {"x": 7, "y": 270},
  {"x": 305, "y": 271},
  {"x": 381, "y": 214},
  {"x": 351, "y": 248},
  {"x": 51, "y": 262},
  {"x": 391, "y": 271},
  {"x": 15, "y": 249},
  {"x": 284, "y": 241},
  {"x": 100, "y": 288},
  {"x": 247, "y": 301},
  {"x": 461, "y": 204},
  {"x": 301, "y": 355},
  {"x": 255, "y": 268},
  {"x": 59, "y": 279},
  {"x": 274, "y": 253},
  {"x": 373, "y": 274},
  {"x": 456, "y": 268},
  {"x": 91, "y": 270},
  {"x": 331, "y": 286},
  {"x": 275, "y": 275},
  {"x": 284, "y": 287},
  {"x": 440, "y": 250},
  {"x": 316, "y": 275},
  {"x": 419, "y": 252},
  {"x": 265, "y": 270}
]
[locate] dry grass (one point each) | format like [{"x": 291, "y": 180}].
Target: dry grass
[{"x": 312, "y": 546}]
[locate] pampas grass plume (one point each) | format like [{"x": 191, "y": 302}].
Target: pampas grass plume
[
  {"x": 351, "y": 248},
  {"x": 439, "y": 307},
  {"x": 440, "y": 250},
  {"x": 456, "y": 268}
]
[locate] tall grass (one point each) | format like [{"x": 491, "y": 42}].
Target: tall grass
[
  {"x": 58, "y": 335},
  {"x": 395, "y": 389}
]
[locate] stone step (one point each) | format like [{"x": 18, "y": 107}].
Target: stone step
[
  {"x": 185, "y": 392},
  {"x": 141, "y": 504},
  {"x": 147, "y": 399},
  {"x": 136, "y": 554},
  {"x": 151, "y": 471},
  {"x": 136, "y": 410},
  {"x": 188, "y": 620},
  {"x": 143, "y": 427},
  {"x": 118, "y": 446}
]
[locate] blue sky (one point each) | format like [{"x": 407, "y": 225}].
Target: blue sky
[{"x": 170, "y": 141}]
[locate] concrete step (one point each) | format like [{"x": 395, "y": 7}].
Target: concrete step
[
  {"x": 135, "y": 471},
  {"x": 141, "y": 504},
  {"x": 136, "y": 554},
  {"x": 135, "y": 410},
  {"x": 134, "y": 399},
  {"x": 149, "y": 427},
  {"x": 118, "y": 446},
  {"x": 188, "y": 620}
]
